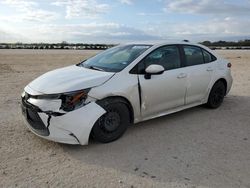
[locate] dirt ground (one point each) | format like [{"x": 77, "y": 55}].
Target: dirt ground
[{"x": 197, "y": 147}]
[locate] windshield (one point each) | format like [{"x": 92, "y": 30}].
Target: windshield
[{"x": 115, "y": 59}]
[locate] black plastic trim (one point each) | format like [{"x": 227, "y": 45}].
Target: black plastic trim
[{"x": 30, "y": 113}]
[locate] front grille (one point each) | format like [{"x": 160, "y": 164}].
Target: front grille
[{"x": 31, "y": 114}]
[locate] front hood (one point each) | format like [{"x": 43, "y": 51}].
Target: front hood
[{"x": 67, "y": 79}]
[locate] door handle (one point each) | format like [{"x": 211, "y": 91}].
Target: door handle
[
  {"x": 209, "y": 69},
  {"x": 182, "y": 75}
]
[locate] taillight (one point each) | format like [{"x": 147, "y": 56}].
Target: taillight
[{"x": 229, "y": 65}]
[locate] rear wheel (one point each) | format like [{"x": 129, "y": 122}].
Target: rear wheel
[
  {"x": 113, "y": 123},
  {"x": 216, "y": 95}
]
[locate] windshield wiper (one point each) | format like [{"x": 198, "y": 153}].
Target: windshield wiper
[{"x": 95, "y": 68}]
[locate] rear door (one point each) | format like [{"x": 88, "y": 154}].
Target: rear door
[{"x": 199, "y": 73}]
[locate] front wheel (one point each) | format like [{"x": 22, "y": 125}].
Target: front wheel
[
  {"x": 216, "y": 95},
  {"x": 113, "y": 123}
]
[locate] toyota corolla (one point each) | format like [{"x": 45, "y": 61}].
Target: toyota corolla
[{"x": 123, "y": 85}]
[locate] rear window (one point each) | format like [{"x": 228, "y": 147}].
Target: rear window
[{"x": 208, "y": 57}]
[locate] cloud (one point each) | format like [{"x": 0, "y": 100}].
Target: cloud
[
  {"x": 104, "y": 32},
  {"x": 39, "y": 15},
  {"x": 149, "y": 14},
  {"x": 108, "y": 32},
  {"x": 213, "y": 29},
  {"x": 218, "y": 19},
  {"x": 120, "y": 34},
  {"x": 7, "y": 36},
  {"x": 82, "y": 8},
  {"x": 20, "y": 4},
  {"x": 29, "y": 11},
  {"x": 211, "y": 7},
  {"x": 37, "y": 23},
  {"x": 128, "y": 2}
]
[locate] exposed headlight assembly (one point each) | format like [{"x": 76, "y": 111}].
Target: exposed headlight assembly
[
  {"x": 73, "y": 100},
  {"x": 70, "y": 100}
]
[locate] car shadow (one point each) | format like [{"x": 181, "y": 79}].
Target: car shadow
[{"x": 199, "y": 146}]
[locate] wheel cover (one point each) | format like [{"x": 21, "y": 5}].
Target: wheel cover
[
  {"x": 218, "y": 96},
  {"x": 110, "y": 122}
]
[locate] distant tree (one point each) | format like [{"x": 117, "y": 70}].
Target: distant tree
[
  {"x": 206, "y": 43},
  {"x": 63, "y": 44}
]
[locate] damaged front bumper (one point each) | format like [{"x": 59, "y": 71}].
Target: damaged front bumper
[{"x": 45, "y": 120}]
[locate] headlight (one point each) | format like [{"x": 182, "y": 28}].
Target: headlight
[
  {"x": 73, "y": 100},
  {"x": 70, "y": 101}
]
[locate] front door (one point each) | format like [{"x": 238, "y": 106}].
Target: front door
[{"x": 167, "y": 90}]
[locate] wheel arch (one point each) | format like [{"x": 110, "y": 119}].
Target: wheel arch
[
  {"x": 224, "y": 81},
  {"x": 119, "y": 99}
]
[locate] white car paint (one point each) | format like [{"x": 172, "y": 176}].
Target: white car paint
[
  {"x": 72, "y": 78},
  {"x": 169, "y": 92},
  {"x": 159, "y": 93},
  {"x": 154, "y": 69},
  {"x": 74, "y": 122},
  {"x": 62, "y": 126},
  {"x": 46, "y": 105}
]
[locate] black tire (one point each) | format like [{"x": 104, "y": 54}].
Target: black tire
[
  {"x": 216, "y": 95},
  {"x": 111, "y": 125}
]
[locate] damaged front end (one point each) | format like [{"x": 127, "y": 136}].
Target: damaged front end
[{"x": 66, "y": 118}]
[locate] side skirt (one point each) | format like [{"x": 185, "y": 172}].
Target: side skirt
[{"x": 171, "y": 111}]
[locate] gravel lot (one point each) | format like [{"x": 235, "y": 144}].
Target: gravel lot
[{"x": 197, "y": 147}]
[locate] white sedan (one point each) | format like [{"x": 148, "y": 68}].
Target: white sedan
[{"x": 123, "y": 85}]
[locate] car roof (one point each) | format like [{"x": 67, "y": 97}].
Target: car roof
[{"x": 162, "y": 43}]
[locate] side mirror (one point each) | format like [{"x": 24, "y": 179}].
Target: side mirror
[{"x": 153, "y": 70}]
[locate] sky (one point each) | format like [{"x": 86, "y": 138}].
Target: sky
[{"x": 117, "y": 21}]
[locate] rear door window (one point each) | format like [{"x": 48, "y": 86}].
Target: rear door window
[{"x": 193, "y": 55}]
